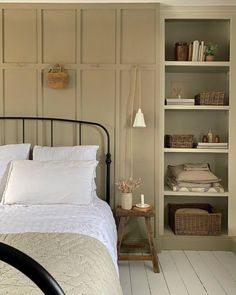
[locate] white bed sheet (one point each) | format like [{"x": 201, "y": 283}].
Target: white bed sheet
[{"x": 94, "y": 220}]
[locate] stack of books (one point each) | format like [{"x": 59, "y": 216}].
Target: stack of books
[
  {"x": 196, "y": 51},
  {"x": 212, "y": 145},
  {"x": 180, "y": 101}
]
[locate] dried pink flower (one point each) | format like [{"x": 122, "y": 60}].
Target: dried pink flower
[{"x": 128, "y": 185}]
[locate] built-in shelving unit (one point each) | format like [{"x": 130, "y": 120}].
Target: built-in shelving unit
[
  {"x": 195, "y": 150},
  {"x": 196, "y": 107},
  {"x": 193, "y": 78}
]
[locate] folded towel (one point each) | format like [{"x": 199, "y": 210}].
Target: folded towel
[
  {"x": 213, "y": 188},
  {"x": 200, "y": 176},
  {"x": 196, "y": 167}
]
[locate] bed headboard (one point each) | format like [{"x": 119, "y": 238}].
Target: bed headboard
[{"x": 78, "y": 123}]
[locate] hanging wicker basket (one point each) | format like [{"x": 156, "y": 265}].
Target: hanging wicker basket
[{"x": 58, "y": 77}]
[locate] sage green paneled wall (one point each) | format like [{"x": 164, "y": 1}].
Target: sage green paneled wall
[{"x": 99, "y": 44}]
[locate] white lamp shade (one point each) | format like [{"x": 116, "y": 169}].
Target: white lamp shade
[{"x": 139, "y": 119}]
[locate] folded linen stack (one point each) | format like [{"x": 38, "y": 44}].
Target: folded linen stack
[{"x": 193, "y": 178}]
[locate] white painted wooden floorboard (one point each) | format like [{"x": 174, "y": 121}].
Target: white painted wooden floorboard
[
  {"x": 125, "y": 277},
  {"x": 156, "y": 281},
  {"x": 138, "y": 278},
  {"x": 188, "y": 274},
  {"x": 210, "y": 283},
  {"x": 173, "y": 279},
  {"x": 219, "y": 272},
  {"x": 228, "y": 260},
  {"x": 182, "y": 272}
]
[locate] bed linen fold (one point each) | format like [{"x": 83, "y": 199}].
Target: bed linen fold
[
  {"x": 80, "y": 264},
  {"x": 94, "y": 222}
]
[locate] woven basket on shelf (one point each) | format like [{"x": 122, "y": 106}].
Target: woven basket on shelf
[
  {"x": 194, "y": 224},
  {"x": 57, "y": 77},
  {"x": 179, "y": 141},
  {"x": 210, "y": 98}
]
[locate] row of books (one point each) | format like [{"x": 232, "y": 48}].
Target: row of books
[
  {"x": 212, "y": 145},
  {"x": 180, "y": 101},
  {"x": 196, "y": 51}
]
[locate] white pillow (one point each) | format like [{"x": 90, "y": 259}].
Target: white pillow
[
  {"x": 66, "y": 153},
  {"x": 50, "y": 182},
  {"x": 8, "y": 153},
  {"x": 71, "y": 153}
]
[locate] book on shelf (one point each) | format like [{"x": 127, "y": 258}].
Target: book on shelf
[
  {"x": 212, "y": 145},
  {"x": 201, "y": 51},
  {"x": 190, "y": 51},
  {"x": 196, "y": 51},
  {"x": 180, "y": 101}
]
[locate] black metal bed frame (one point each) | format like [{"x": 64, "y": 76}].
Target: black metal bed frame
[
  {"x": 31, "y": 268},
  {"x": 79, "y": 123}
]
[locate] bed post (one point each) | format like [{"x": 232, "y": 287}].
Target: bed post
[{"x": 108, "y": 178}]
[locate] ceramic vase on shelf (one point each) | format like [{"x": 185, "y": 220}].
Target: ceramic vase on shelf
[{"x": 126, "y": 201}]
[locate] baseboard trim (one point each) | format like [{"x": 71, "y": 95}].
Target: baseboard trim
[
  {"x": 197, "y": 243},
  {"x": 234, "y": 244},
  {"x": 194, "y": 243}
]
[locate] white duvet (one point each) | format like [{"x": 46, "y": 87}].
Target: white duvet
[{"x": 94, "y": 220}]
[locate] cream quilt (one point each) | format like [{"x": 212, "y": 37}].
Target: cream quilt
[{"x": 80, "y": 264}]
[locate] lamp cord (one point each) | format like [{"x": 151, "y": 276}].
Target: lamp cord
[
  {"x": 139, "y": 88},
  {"x": 129, "y": 132}
]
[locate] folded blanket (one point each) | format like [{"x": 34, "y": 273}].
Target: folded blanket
[
  {"x": 80, "y": 264},
  {"x": 196, "y": 167},
  {"x": 191, "y": 184},
  {"x": 193, "y": 187},
  {"x": 200, "y": 176}
]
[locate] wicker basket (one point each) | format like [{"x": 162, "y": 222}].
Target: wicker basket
[
  {"x": 210, "y": 98},
  {"x": 194, "y": 224},
  {"x": 179, "y": 141},
  {"x": 57, "y": 77}
]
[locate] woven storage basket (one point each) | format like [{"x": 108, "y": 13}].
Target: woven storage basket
[
  {"x": 179, "y": 141},
  {"x": 210, "y": 98},
  {"x": 194, "y": 224},
  {"x": 57, "y": 77}
]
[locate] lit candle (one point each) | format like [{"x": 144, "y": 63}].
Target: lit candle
[{"x": 142, "y": 199}]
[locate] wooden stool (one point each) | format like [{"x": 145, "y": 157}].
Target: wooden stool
[{"x": 123, "y": 216}]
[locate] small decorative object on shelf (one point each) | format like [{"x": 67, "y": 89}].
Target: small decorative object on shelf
[
  {"x": 210, "y": 51},
  {"x": 180, "y": 101},
  {"x": 204, "y": 138},
  {"x": 179, "y": 141},
  {"x": 209, "y": 136},
  {"x": 212, "y": 141},
  {"x": 58, "y": 77},
  {"x": 181, "y": 51},
  {"x": 217, "y": 139},
  {"x": 126, "y": 187},
  {"x": 210, "y": 98}
]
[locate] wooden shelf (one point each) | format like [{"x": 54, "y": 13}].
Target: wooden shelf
[
  {"x": 197, "y": 66},
  {"x": 169, "y": 192},
  {"x": 197, "y": 107},
  {"x": 195, "y": 150},
  {"x": 198, "y": 63},
  {"x": 168, "y": 232}
]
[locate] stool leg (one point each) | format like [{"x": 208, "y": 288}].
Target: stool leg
[
  {"x": 121, "y": 225},
  {"x": 152, "y": 245}
]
